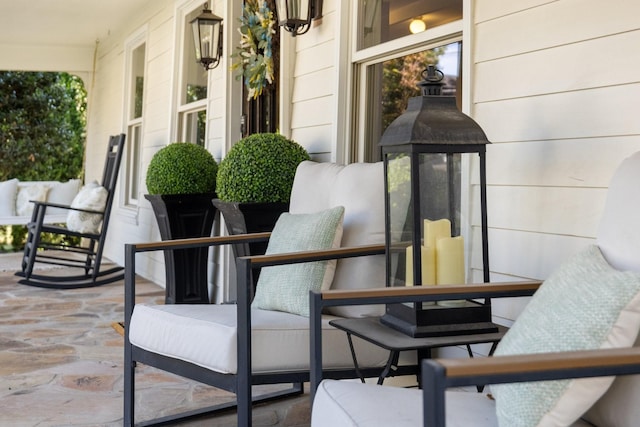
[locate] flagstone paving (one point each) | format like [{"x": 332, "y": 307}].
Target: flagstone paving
[{"x": 61, "y": 364}]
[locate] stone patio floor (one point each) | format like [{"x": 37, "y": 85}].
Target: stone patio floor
[{"x": 61, "y": 364}]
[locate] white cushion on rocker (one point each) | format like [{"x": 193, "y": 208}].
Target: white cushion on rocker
[
  {"x": 280, "y": 341},
  {"x": 93, "y": 197},
  {"x": 351, "y": 404},
  {"x": 359, "y": 187}
]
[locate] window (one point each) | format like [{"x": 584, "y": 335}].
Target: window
[
  {"x": 192, "y": 105},
  {"x": 134, "y": 114},
  {"x": 385, "y": 20},
  {"x": 389, "y": 60}
]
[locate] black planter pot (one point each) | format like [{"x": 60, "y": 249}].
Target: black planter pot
[
  {"x": 181, "y": 216},
  {"x": 241, "y": 218}
]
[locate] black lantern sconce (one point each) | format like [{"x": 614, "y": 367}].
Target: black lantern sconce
[
  {"x": 432, "y": 220},
  {"x": 207, "y": 38},
  {"x": 295, "y": 16}
]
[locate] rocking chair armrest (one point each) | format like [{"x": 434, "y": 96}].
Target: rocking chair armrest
[
  {"x": 38, "y": 204},
  {"x": 439, "y": 374}
]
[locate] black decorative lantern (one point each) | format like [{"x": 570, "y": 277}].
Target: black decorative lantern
[
  {"x": 207, "y": 38},
  {"x": 434, "y": 223},
  {"x": 295, "y": 16}
]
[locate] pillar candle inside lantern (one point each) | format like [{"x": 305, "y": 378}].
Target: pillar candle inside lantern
[
  {"x": 450, "y": 265},
  {"x": 428, "y": 256},
  {"x": 435, "y": 230}
]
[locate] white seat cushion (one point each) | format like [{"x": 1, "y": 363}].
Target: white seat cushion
[
  {"x": 347, "y": 403},
  {"x": 351, "y": 404},
  {"x": 206, "y": 336}
]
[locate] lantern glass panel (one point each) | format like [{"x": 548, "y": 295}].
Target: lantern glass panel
[
  {"x": 293, "y": 10},
  {"x": 424, "y": 201}
]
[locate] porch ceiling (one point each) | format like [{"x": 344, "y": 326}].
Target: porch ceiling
[
  {"x": 63, "y": 22},
  {"x": 55, "y": 34}
]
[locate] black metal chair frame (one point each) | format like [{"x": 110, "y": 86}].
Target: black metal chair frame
[
  {"x": 440, "y": 374},
  {"x": 240, "y": 383},
  {"x": 91, "y": 246}
]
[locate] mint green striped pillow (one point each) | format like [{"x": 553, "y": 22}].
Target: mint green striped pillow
[
  {"x": 585, "y": 304},
  {"x": 286, "y": 287}
]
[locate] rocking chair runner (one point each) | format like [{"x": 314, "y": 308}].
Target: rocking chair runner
[{"x": 87, "y": 255}]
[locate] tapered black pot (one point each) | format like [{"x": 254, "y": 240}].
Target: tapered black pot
[
  {"x": 241, "y": 218},
  {"x": 181, "y": 216}
]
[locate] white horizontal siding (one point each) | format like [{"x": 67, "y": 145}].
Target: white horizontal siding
[
  {"x": 549, "y": 25},
  {"x": 559, "y": 103},
  {"x": 601, "y": 112},
  {"x": 590, "y": 64}
]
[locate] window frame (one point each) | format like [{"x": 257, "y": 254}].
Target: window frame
[
  {"x": 134, "y": 126},
  {"x": 181, "y": 108},
  {"x": 355, "y": 150}
]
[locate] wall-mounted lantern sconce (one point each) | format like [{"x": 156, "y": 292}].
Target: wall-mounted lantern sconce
[
  {"x": 207, "y": 38},
  {"x": 295, "y": 16}
]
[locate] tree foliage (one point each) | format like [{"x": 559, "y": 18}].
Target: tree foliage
[
  {"x": 42, "y": 133},
  {"x": 42, "y": 125},
  {"x": 401, "y": 76}
]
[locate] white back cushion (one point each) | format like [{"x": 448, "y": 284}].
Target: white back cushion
[
  {"x": 359, "y": 187},
  {"x": 619, "y": 232},
  {"x": 62, "y": 193},
  {"x": 8, "y": 191}
]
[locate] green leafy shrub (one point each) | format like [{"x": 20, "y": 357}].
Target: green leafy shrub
[
  {"x": 260, "y": 168},
  {"x": 182, "y": 168}
]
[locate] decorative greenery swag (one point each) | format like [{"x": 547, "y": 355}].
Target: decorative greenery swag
[{"x": 256, "y": 60}]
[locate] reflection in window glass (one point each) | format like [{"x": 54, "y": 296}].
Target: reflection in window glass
[
  {"x": 134, "y": 125},
  {"x": 194, "y": 74},
  {"x": 137, "y": 60},
  {"x": 194, "y": 126},
  {"x": 391, "y": 83},
  {"x": 385, "y": 20}
]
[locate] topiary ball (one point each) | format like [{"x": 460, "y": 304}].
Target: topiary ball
[
  {"x": 260, "y": 169},
  {"x": 182, "y": 168}
]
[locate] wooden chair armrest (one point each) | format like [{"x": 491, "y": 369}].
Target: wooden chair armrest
[
  {"x": 316, "y": 255},
  {"x": 197, "y": 242},
  {"x": 439, "y": 374},
  {"x": 538, "y": 367},
  {"x": 384, "y": 295}
]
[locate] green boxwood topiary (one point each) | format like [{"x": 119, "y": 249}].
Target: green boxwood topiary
[
  {"x": 259, "y": 169},
  {"x": 182, "y": 168}
]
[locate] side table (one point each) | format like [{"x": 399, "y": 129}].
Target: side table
[{"x": 370, "y": 329}]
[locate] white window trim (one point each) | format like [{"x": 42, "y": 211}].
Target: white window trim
[
  {"x": 177, "y": 108},
  {"x": 351, "y": 127},
  {"x": 135, "y": 40}
]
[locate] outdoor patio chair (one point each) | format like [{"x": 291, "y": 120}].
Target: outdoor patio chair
[
  {"x": 580, "y": 326},
  {"x": 236, "y": 346},
  {"x": 87, "y": 220}
]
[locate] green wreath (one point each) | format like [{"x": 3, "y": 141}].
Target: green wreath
[{"x": 256, "y": 59}]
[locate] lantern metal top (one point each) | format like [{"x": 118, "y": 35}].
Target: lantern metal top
[{"x": 433, "y": 119}]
